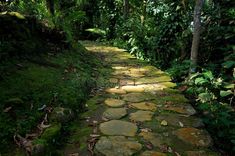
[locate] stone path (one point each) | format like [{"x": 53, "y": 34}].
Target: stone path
[{"x": 142, "y": 113}]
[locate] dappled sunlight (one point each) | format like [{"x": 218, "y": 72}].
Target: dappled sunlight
[
  {"x": 103, "y": 49},
  {"x": 140, "y": 90},
  {"x": 117, "y": 78}
]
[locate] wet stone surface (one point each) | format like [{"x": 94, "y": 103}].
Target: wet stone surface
[
  {"x": 117, "y": 146},
  {"x": 194, "y": 137},
  {"x": 141, "y": 116},
  {"x": 115, "y": 113},
  {"x": 118, "y": 127},
  {"x": 114, "y": 102},
  {"x": 178, "y": 120},
  {"x": 144, "y": 106},
  {"x": 182, "y": 109},
  {"x": 156, "y": 139}
]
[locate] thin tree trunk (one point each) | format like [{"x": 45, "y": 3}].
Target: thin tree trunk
[
  {"x": 143, "y": 16},
  {"x": 196, "y": 33},
  {"x": 126, "y": 8},
  {"x": 51, "y": 6},
  {"x": 112, "y": 19}
]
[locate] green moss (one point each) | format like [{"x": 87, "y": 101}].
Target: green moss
[
  {"x": 79, "y": 134},
  {"x": 173, "y": 98},
  {"x": 40, "y": 142},
  {"x": 168, "y": 84},
  {"x": 51, "y": 133}
]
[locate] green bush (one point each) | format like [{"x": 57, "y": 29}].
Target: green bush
[
  {"x": 179, "y": 70},
  {"x": 215, "y": 96}
]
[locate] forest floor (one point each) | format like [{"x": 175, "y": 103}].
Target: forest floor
[{"x": 138, "y": 112}]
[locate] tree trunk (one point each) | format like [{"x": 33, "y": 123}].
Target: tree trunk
[
  {"x": 143, "y": 16},
  {"x": 112, "y": 19},
  {"x": 126, "y": 8},
  {"x": 51, "y": 6},
  {"x": 196, "y": 32}
]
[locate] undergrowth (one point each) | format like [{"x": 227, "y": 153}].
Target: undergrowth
[{"x": 28, "y": 86}]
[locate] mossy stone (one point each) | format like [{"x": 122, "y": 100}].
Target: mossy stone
[
  {"x": 117, "y": 146},
  {"x": 144, "y": 106},
  {"x": 118, "y": 127},
  {"x": 195, "y": 137},
  {"x": 114, "y": 102},
  {"x": 137, "y": 97},
  {"x": 141, "y": 116}
]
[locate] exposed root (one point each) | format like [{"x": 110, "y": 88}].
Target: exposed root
[
  {"x": 26, "y": 143},
  {"x": 91, "y": 143}
]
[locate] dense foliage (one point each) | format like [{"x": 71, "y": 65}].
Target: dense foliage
[{"x": 159, "y": 32}]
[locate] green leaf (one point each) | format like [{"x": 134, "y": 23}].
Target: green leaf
[
  {"x": 229, "y": 86},
  {"x": 200, "y": 81},
  {"x": 224, "y": 93},
  {"x": 194, "y": 76},
  {"x": 96, "y": 31},
  {"x": 228, "y": 64},
  {"x": 205, "y": 97},
  {"x": 208, "y": 75}
]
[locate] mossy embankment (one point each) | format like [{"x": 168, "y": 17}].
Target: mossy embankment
[{"x": 40, "y": 76}]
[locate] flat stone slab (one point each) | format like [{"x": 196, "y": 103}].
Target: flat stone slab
[
  {"x": 115, "y": 91},
  {"x": 124, "y": 82},
  {"x": 152, "y": 153},
  {"x": 114, "y": 102},
  {"x": 155, "y": 139},
  {"x": 133, "y": 89},
  {"x": 138, "y": 70},
  {"x": 118, "y": 127},
  {"x": 117, "y": 146},
  {"x": 144, "y": 106},
  {"x": 153, "y": 87},
  {"x": 168, "y": 84},
  {"x": 137, "y": 97},
  {"x": 141, "y": 116},
  {"x": 200, "y": 153},
  {"x": 150, "y": 80},
  {"x": 114, "y": 113},
  {"x": 178, "y": 120},
  {"x": 193, "y": 136},
  {"x": 182, "y": 109}
]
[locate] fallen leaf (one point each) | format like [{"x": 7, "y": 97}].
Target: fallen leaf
[
  {"x": 177, "y": 154},
  {"x": 145, "y": 130},
  {"x": 149, "y": 145},
  {"x": 7, "y": 109},
  {"x": 181, "y": 124},
  {"x": 164, "y": 148},
  {"x": 183, "y": 88},
  {"x": 164, "y": 123},
  {"x": 94, "y": 135},
  {"x": 169, "y": 150}
]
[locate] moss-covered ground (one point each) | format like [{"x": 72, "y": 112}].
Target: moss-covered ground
[{"x": 27, "y": 87}]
